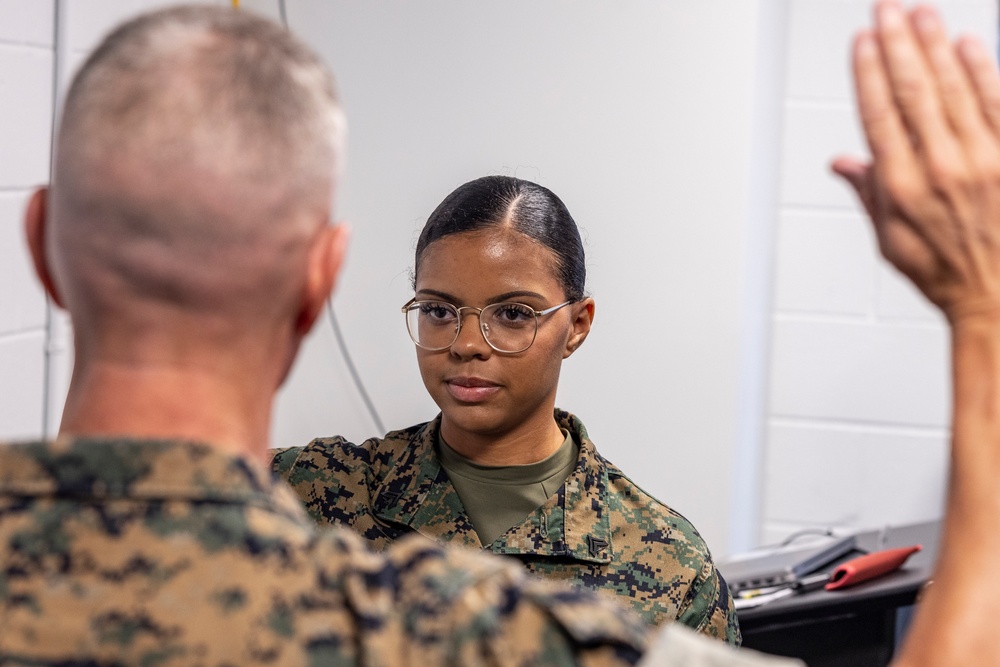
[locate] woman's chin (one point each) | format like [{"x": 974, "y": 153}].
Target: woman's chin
[{"x": 474, "y": 419}]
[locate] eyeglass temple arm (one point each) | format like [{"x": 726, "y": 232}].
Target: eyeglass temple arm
[{"x": 539, "y": 313}]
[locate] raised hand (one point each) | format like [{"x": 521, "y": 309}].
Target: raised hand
[{"x": 930, "y": 111}]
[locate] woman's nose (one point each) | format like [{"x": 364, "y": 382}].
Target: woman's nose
[{"x": 470, "y": 341}]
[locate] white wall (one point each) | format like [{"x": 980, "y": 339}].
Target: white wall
[{"x": 858, "y": 416}]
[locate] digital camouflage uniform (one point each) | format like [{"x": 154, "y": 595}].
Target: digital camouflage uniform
[
  {"x": 599, "y": 530},
  {"x": 119, "y": 552}
]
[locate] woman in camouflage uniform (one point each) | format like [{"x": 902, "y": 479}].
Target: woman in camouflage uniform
[{"x": 500, "y": 468}]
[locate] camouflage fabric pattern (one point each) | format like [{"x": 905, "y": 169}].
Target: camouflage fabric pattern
[
  {"x": 599, "y": 530},
  {"x": 165, "y": 553}
]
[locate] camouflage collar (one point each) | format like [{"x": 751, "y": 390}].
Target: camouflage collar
[
  {"x": 113, "y": 468},
  {"x": 416, "y": 491},
  {"x": 573, "y": 523}
]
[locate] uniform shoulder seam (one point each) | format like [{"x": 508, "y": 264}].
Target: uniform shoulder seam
[{"x": 614, "y": 472}]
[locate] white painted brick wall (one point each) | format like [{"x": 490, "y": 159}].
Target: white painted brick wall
[
  {"x": 859, "y": 388},
  {"x": 22, "y": 302},
  {"x": 825, "y": 263},
  {"x": 26, "y": 22},
  {"x": 26, "y": 62},
  {"x": 869, "y": 372},
  {"x": 25, "y": 114},
  {"x": 814, "y": 132}
]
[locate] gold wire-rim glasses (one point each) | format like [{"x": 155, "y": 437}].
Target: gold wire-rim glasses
[{"x": 415, "y": 304}]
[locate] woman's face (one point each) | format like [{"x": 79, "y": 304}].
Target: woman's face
[{"x": 481, "y": 391}]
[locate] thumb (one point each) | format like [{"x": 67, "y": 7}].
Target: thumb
[{"x": 858, "y": 175}]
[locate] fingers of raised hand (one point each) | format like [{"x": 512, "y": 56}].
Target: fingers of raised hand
[
  {"x": 950, "y": 143},
  {"x": 957, "y": 99},
  {"x": 931, "y": 115},
  {"x": 911, "y": 81},
  {"x": 894, "y": 158},
  {"x": 984, "y": 77},
  {"x": 969, "y": 169},
  {"x": 914, "y": 153}
]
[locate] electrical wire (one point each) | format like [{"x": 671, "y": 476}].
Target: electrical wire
[
  {"x": 824, "y": 532},
  {"x": 334, "y": 324}
]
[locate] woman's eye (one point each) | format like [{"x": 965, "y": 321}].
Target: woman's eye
[
  {"x": 512, "y": 313},
  {"x": 436, "y": 311}
]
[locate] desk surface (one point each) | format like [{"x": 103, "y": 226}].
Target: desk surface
[{"x": 893, "y": 590}]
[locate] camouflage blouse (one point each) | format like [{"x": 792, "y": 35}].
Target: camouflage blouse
[
  {"x": 124, "y": 552},
  {"x": 599, "y": 530}
]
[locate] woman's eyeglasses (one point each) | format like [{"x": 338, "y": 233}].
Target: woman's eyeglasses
[{"x": 507, "y": 327}]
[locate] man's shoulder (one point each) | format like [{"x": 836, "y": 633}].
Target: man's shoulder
[
  {"x": 115, "y": 565},
  {"x": 234, "y": 587},
  {"x": 496, "y": 600},
  {"x": 100, "y": 468}
]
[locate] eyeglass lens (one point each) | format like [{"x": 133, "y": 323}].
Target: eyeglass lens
[{"x": 508, "y": 327}]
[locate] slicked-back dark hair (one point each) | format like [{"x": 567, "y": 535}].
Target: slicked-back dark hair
[{"x": 518, "y": 205}]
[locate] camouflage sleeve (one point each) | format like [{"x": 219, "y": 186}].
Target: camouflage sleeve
[
  {"x": 709, "y": 608},
  {"x": 489, "y": 609},
  {"x": 331, "y": 477},
  {"x": 283, "y": 460}
]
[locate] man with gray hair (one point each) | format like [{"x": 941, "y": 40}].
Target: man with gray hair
[{"x": 187, "y": 231}]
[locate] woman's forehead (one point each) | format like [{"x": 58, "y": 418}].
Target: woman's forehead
[{"x": 503, "y": 257}]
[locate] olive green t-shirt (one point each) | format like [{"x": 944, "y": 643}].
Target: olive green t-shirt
[{"x": 497, "y": 498}]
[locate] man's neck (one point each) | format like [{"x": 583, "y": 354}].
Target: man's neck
[{"x": 168, "y": 402}]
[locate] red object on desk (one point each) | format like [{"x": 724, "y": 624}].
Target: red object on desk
[{"x": 869, "y": 566}]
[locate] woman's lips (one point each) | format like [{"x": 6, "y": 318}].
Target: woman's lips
[{"x": 471, "y": 390}]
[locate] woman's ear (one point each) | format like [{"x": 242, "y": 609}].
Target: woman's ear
[{"x": 583, "y": 318}]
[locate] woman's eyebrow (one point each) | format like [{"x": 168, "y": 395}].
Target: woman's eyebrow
[
  {"x": 506, "y": 296},
  {"x": 444, "y": 296}
]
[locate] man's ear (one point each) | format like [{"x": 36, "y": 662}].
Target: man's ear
[
  {"x": 35, "y": 230},
  {"x": 326, "y": 256},
  {"x": 583, "y": 318}
]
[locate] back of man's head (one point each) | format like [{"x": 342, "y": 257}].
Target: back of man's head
[{"x": 194, "y": 166}]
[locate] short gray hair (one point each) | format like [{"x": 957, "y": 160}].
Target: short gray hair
[
  {"x": 262, "y": 100},
  {"x": 198, "y": 144}
]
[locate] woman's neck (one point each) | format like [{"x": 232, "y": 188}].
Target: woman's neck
[{"x": 530, "y": 442}]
